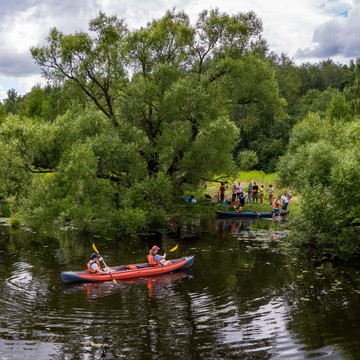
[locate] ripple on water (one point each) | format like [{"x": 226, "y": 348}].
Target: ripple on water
[
  {"x": 19, "y": 289},
  {"x": 22, "y": 293},
  {"x": 30, "y": 350},
  {"x": 262, "y": 331}
]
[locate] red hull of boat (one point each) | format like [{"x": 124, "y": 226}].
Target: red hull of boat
[{"x": 121, "y": 273}]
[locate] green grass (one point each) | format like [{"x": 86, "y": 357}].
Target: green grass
[
  {"x": 245, "y": 177},
  {"x": 260, "y": 177},
  {"x": 212, "y": 188}
]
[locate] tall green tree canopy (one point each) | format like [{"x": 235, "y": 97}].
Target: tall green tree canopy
[{"x": 166, "y": 103}]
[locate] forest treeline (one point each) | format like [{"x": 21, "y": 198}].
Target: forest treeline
[{"x": 130, "y": 117}]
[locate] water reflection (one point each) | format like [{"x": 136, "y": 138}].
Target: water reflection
[
  {"x": 249, "y": 295},
  {"x": 156, "y": 285},
  {"x": 243, "y": 229}
]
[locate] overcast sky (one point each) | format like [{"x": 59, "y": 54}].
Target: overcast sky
[{"x": 306, "y": 30}]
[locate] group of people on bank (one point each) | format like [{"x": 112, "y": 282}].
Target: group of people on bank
[
  {"x": 255, "y": 194},
  {"x": 252, "y": 193}
]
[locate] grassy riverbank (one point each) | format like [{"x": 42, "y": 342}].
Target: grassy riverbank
[
  {"x": 207, "y": 206},
  {"x": 212, "y": 187}
]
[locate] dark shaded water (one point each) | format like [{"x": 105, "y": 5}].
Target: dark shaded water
[{"x": 249, "y": 295}]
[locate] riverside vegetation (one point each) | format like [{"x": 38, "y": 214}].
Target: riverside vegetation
[{"x": 131, "y": 120}]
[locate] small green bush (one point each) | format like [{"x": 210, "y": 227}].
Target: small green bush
[{"x": 15, "y": 222}]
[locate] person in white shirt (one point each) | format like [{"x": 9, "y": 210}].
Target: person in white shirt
[
  {"x": 271, "y": 193},
  {"x": 289, "y": 194},
  {"x": 239, "y": 189},
  {"x": 285, "y": 202}
]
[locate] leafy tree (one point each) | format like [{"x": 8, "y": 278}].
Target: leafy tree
[
  {"x": 2, "y": 112},
  {"x": 174, "y": 121},
  {"x": 51, "y": 101},
  {"x": 339, "y": 108},
  {"x": 289, "y": 79},
  {"x": 323, "y": 75},
  {"x": 13, "y": 102},
  {"x": 315, "y": 101},
  {"x": 322, "y": 162},
  {"x": 94, "y": 64},
  {"x": 247, "y": 160},
  {"x": 352, "y": 91}
]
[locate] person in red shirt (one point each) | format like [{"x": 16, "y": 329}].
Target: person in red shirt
[{"x": 222, "y": 192}]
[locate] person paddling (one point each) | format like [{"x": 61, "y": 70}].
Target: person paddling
[
  {"x": 155, "y": 259},
  {"x": 94, "y": 265}
]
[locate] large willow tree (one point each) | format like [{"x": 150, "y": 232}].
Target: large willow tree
[{"x": 162, "y": 105}]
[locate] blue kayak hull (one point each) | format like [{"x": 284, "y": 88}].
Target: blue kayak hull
[{"x": 248, "y": 214}]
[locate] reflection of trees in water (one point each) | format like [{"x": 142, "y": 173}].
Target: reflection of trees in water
[
  {"x": 188, "y": 227},
  {"x": 231, "y": 226},
  {"x": 245, "y": 290},
  {"x": 133, "y": 320}
]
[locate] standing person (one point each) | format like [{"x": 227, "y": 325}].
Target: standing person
[
  {"x": 271, "y": 194},
  {"x": 222, "y": 192},
  {"x": 155, "y": 259},
  {"x": 242, "y": 198},
  {"x": 249, "y": 191},
  {"x": 239, "y": 189},
  {"x": 261, "y": 194},
  {"x": 255, "y": 191},
  {"x": 276, "y": 207},
  {"x": 233, "y": 194},
  {"x": 285, "y": 201},
  {"x": 289, "y": 194}
]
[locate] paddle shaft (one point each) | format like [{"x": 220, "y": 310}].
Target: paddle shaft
[{"x": 103, "y": 261}]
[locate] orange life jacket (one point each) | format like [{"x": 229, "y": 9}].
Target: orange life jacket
[
  {"x": 152, "y": 261},
  {"x": 90, "y": 263},
  {"x": 275, "y": 204}
]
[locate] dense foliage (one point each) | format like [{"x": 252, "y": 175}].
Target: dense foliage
[
  {"x": 158, "y": 110},
  {"x": 130, "y": 118},
  {"x": 322, "y": 161}
]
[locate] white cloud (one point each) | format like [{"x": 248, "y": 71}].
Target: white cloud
[
  {"x": 337, "y": 37},
  {"x": 27, "y": 83},
  {"x": 304, "y": 30},
  {"x": 2, "y": 93}
]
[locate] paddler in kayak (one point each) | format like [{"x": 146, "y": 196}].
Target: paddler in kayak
[
  {"x": 94, "y": 265},
  {"x": 155, "y": 259}
]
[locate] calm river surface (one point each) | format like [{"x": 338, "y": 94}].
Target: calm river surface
[{"x": 249, "y": 295}]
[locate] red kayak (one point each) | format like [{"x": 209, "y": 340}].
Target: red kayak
[{"x": 127, "y": 271}]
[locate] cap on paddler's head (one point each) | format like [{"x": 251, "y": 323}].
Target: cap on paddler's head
[
  {"x": 155, "y": 248},
  {"x": 94, "y": 255}
]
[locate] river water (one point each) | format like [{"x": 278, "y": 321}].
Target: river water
[{"x": 249, "y": 295}]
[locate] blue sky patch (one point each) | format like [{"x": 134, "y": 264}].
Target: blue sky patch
[{"x": 335, "y": 8}]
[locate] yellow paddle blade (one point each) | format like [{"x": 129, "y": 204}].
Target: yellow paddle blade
[
  {"x": 95, "y": 249},
  {"x": 174, "y": 248}
]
